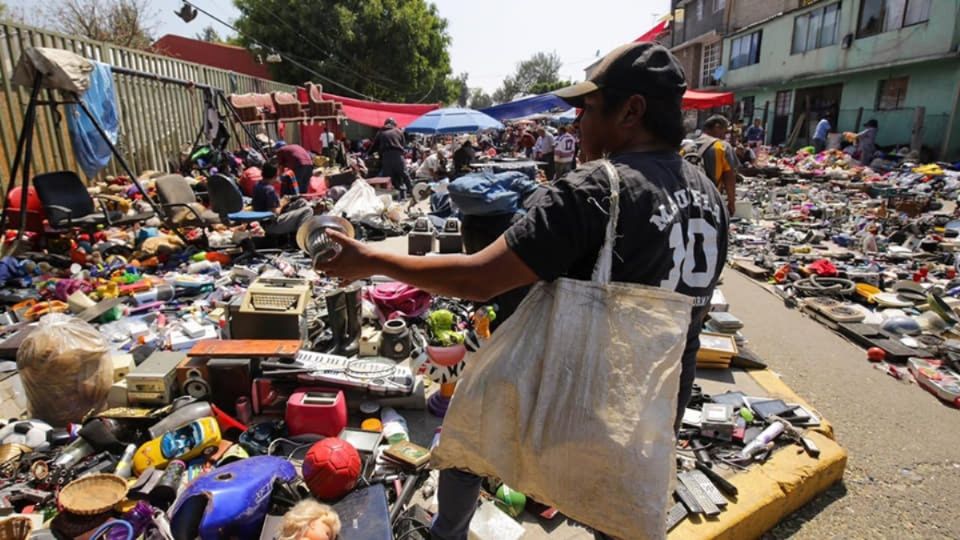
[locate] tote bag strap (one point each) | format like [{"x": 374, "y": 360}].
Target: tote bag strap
[{"x": 604, "y": 266}]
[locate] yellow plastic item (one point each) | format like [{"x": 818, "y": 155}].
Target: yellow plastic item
[
  {"x": 371, "y": 424},
  {"x": 930, "y": 169},
  {"x": 184, "y": 443},
  {"x": 867, "y": 291}
]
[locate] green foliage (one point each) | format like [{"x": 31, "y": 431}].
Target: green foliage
[
  {"x": 544, "y": 87},
  {"x": 542, "y": 70},
  {"x": 210, "y": 34},
  {"x": 479, "y": 99},
  {"x": 394, "y": 50}
]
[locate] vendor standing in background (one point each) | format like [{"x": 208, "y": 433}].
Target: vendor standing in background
[
  {"x": 543, "y": 151},
  {"x": 755, "y": 133},
  {"x": 719, "y": 158},
  {"x": 820, "y": 133},
  {"x": 867, "y": 141},
  {"x": 297, "y": 159},
  {"x": 565, "y": 152},
  {"x": 672, "y": 232},
  {"x": 389, "y": 144},
  {"x": 462, "y": 158}
]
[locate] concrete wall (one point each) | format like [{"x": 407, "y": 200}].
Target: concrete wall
[
  {"x": 932, "y": 85},
  {"x": 744, "y": 12},
  {"x": 693, "y": 28},
  {"x": 689, "y": 58},
  {"x": 937, "y": 36}
]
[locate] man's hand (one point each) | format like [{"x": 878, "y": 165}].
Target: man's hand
[{"x": 355, "y": 260}]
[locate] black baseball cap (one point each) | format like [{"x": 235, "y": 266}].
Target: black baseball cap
[{"x": 642, "y": 68}]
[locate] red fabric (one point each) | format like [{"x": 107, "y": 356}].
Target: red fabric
[
  {"x": 310, "y": 137},
  {"x": 394, "y": 300},
  {"x": 823, "y": 268},
  {"x": 371, "y": 113},
  {"x": 248, "y": 179},
  {"x": 653, "y": 33},
  {"x": 217, "y": 55},
  {"x": 692, "y": 99}
]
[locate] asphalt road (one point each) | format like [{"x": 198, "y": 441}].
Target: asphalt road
[{"x": 903, "y": 472}]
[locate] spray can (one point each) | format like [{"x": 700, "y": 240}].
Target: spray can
[
  {"x": 72, "y": 454},
  {"x": 161, "y": 293},
  {"x": 124, "y": 466},
  {"x": 766, "y": 436},
  {"x": 165, "y": 492}
]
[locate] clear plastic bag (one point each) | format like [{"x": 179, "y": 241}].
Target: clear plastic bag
[{"x": 66, "y": 369}]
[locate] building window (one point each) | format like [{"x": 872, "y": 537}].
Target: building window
[
  {"x": 699, "y": 10},
  {"x": 878, "y": 16},
  {"x": 718, "y": 5},
  {"x": 747, "y": 106},
  {"x": 815, "y": 29},
  {"x": 892, "y": 93},
  {"x": 710, "y": 61},
  {"x": 782, "y": 106},
  {"x": 745, "y": 50}
]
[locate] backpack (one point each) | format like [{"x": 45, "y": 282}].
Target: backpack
[{"x": 694, "y": 153}]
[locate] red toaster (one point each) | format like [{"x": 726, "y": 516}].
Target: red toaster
[{"x": 320, "y": 411}]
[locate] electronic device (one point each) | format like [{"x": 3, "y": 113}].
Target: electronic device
[
  {"x": 675, "y": 515},
  {"x": 319, "y": 411},
  {"x": 420, "y": 239},
  {"x": 450, "y": 240},
  {"x": 365, "y": 515},
  {"x": 708, "y": 487},
  {"x": 230, "y": 378},
  {"x": 717, "y": 420},
  {"x": 154, "y": 381},
  {"x": 194, "y": 378},
  {"x": 376, "y": 375},
  {"x": 705, "y": 502},
  {"x": 272, "y": 308},
  {"x": 366, "y": 442},
  {"x": 687, "y": 498}
]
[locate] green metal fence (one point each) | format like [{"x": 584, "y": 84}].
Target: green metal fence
[{"x": 156, "y": 117}]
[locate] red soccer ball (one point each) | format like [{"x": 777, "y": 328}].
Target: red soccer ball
[
  {"x": 331, "y": 468},
  {"x": 876, "y": 354}
]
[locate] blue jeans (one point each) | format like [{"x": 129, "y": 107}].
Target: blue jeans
[{"x": 457, "y": 497}]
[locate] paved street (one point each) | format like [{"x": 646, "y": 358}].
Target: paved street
[{"x": 904, "y": 445}]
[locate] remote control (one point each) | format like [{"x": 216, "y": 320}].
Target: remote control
[
  {"x": 705, "y": 502},
  {"x": 675, "y": 515},
  {"x": 687, "y": 499},
  {"x": 708, "y": 487}
]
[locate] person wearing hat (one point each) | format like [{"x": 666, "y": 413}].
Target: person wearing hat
[
  {"x": 389, "y": 144},
  {"x": 297, "y": 159},
  {"x": 672, "y": 230},
  {"x": 463, "y": 157},
  {"x": 718, "y": 157}
]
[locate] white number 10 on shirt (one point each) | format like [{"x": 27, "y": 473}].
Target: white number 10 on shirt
[{"x": 685, "y": 256}]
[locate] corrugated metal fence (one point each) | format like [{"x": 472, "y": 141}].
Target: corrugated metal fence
[{"x": 156, "y": 117}]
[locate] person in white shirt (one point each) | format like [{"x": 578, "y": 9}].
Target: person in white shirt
[
  {"x": 543, "y": 151},
  {"x": 433, "y": 167},
  {"x": 566, "y": 147}
]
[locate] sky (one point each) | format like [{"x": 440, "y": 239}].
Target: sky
[{"x": 490, "y": 37}]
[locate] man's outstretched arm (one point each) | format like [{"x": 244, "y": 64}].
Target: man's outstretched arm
[{"x": 481, "y": 276}]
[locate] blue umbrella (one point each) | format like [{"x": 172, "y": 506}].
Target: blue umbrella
[{"x": 453, "y": 120}]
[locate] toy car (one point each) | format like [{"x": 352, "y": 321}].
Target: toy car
[{"x": 185, "y": 442}]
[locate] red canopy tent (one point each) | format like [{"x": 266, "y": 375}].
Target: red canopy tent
[
  {"x": 654, "y": 33},
  {"x": 693, "y": 99},
  {"x": 372, "y": 113}
]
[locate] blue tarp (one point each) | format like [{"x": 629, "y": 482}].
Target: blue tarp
[
  {"x": 91, "y": 151},
  {"x": 526, "y": 107}
]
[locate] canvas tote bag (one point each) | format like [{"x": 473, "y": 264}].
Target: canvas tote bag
[{"x": 572, "y": 401}]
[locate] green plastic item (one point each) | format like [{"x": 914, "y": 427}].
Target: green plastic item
[
  {"x": 199, "y": 256},
  {"x": 441, "y": 323},
  {"x": 510, "y": 501},
  {"x": 746, "y": 414}
]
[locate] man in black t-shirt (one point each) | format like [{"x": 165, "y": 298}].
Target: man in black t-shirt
[{"x": 672, "y": 229}]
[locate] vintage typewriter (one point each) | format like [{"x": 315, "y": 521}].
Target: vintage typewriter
[{"x": 272, "y": 308}]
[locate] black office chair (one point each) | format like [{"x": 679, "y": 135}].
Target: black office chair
[
  {"x": 68, "y": 204},
  {"x": 227, "y": 201}
]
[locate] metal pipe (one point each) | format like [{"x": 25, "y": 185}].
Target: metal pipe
[{"x": 126, "y": 167}]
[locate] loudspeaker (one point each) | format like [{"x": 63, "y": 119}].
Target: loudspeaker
[
  {"x": 230, "y": 378},
  {"x": 193, "y": 376}
]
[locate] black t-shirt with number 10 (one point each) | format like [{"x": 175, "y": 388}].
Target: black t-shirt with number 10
[{"x": 672, "y": 231}]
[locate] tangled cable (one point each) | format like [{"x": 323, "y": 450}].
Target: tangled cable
[{"x": 824, "y": 286}]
